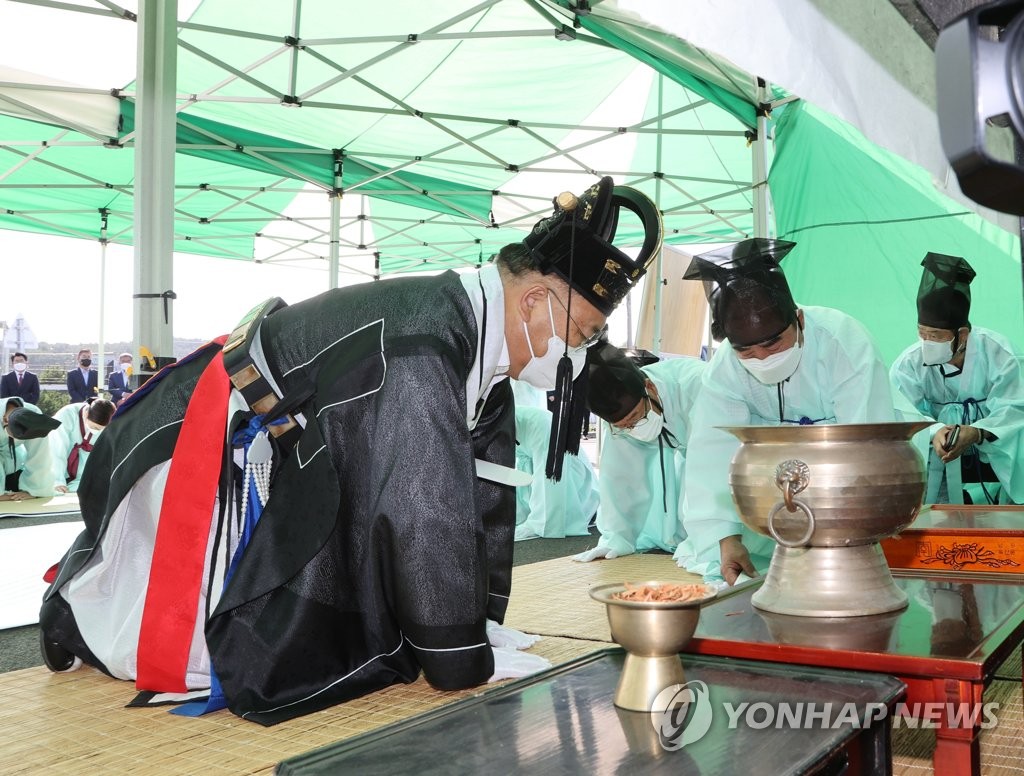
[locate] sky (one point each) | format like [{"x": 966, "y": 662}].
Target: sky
[{"x": 62, "y": 303}]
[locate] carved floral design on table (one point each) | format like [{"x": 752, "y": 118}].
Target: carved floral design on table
[{"x": 960, "y": 555}]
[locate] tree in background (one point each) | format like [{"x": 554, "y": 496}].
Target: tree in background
[{"x": 51, "y": 401}]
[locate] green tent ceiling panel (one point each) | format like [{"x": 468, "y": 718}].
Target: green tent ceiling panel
[
  {"x": 478, "y": 104},
  {"x": 57, "y": 181},
  {"x": 230, "y": 145}
]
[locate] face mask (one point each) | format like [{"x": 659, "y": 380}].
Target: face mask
[
  {"x": 20, "y": 367},
  {"x": 935, "y": 353},
  {"x": 86, "y": 362},
  {"x": 776, "y": 367},
  {"x": 124, "y": 367},
  {"x": 93, "y": 433},
  {"x": 651, "y": 429},
  {"x": 542, "y": 372}
]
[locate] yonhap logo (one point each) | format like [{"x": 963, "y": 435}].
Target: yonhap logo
[
  {"x": 687, "y": 715},
  {"x": 682, "y": 714}
]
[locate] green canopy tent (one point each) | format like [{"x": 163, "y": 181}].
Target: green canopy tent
[{"x": 512, "y": 100}]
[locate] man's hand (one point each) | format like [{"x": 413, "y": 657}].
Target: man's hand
[
  {"x": 735, "y": 559},
  {"x": 968, "y": 435},
  {"x": 18, "y": 495}
]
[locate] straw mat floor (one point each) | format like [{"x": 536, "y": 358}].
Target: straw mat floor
[
  {"x": 552, "y": 597},
  {"x": 75, "y": 723},
  {"x": 64, "y": 504},
  {"x": 1002, "y": 753}
]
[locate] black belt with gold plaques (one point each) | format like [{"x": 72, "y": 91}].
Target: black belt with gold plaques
[{"x": 245, "y": 374}]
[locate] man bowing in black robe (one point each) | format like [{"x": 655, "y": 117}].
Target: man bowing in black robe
[{"x": 319, "y": 505}]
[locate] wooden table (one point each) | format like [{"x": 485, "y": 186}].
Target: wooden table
[
  {"x": 961, "y": 539},
  {"x": 946, "y": 646},
  {"x": 562, "y": 721}
]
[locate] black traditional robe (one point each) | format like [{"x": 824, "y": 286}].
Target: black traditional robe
[{"x": 379, "y": 551}]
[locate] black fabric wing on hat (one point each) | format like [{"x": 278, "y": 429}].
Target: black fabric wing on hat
[
  {"x": 575, "y": 242},
  {"x": 944, "y": 296},
  {"x": 746, "y": 289},
  {"x": 24, "y": 423}
]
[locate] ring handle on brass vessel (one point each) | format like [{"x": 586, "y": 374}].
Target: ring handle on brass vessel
[
  {"x": 792, "y": 477},
  {"x": 805, "y": 539}
]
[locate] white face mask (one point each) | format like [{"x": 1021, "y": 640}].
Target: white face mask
[
  {"x": 935, "y": 353},
  {"x": 776, "y": 367},
  {"x": 20, "y": 367},
  {"x": 542, "y": 372},
  {"x": 124, "y": 367},
  {"x": 651, "y": 429}
]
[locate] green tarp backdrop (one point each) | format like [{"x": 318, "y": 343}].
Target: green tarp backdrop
[{"x": 863, "y": 219}]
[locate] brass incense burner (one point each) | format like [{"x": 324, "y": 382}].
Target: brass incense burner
[
  {"x": 653, "y": 633},
  {"x": 828, "y": 495}
]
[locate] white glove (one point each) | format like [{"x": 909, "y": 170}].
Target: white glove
[
  {"x": 513, "y": 664},
  {"x": 500, "y": 636},
  {"x": 596, "y": 554}
]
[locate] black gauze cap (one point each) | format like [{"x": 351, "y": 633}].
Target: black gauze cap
[
  {"x": 24, "y": 423},
  {"x": 944, "y": 296},
  {"x": 747, "y": 291},
  {"x": 576, "y": 242},
  {"x": 615, "y": 384}
]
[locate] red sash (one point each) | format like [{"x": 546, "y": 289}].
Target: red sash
[
  {"x": 179, "y": 553},
  {"x": 85, "y": 445}
]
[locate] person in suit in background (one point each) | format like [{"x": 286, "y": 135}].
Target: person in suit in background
[
  {"x": 19, "y": 381},
  {"x": 119, "y": 383},
  {"x": 83, "y": 382}
]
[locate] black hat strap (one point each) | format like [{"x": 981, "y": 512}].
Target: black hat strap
[{"x": 567, "y": 418}]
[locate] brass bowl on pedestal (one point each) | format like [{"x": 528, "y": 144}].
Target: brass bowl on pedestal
[
  {"x": 828, "y": 494},
  {"x": 653, "y": 633}
]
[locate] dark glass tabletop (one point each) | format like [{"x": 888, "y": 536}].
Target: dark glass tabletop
[
  {"x": 563, "y": 721},
  {"x": 970, "y": 518},
  {"x": 965, "y": 627}
]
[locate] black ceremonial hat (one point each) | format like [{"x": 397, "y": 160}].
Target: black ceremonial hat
[
  {"x": 615, "y": 384},
  {"x": 944, "y": 296},
  {"x": 744, "y": 282},
  {"x": 576, "y": 242},
  {"x": 24, "y": 423}
]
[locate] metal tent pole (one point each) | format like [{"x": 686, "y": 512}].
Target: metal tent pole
[
  {"x": 332, "y": 281},
  {"x": 101, "y": 367},
  {"x": 335, "y": 235},
  {"x": 154, "y": 174},
  {"x": 760, "y": 162},
  {"x": 659, "y": 273}
]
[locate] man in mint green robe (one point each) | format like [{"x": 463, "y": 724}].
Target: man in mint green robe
[
  {"x": 968, "y": 377},
  {"x": 642, "y": 468}
]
